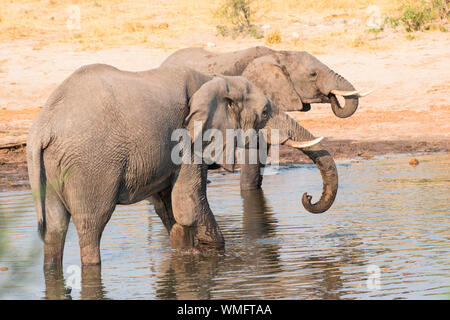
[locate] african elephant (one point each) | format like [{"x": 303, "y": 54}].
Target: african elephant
[
  {"x": 104, "y": 137},
  {"x": 291, "y": 79}
]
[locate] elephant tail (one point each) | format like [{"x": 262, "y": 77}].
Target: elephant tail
[{"x": 36, "y": 172}]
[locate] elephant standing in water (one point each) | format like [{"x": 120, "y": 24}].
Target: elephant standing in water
[
  {"x": 291, "y": 79},
  {"x": 104, "y": 138}
]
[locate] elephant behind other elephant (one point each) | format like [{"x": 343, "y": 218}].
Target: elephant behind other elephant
[{"x": 292, "y": 79}]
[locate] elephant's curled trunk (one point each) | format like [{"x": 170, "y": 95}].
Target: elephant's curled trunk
[
  {"x": 351, "y": 104},
  {"x": 339, "y": 83},
  {"x": 324, "y": 161},
  {"x": 289, "y": 129}
]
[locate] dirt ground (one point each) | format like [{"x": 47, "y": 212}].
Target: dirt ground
[{"x": 408, "y": 111}]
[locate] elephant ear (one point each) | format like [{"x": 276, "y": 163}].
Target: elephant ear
[
  {"x": 216, "y": 105},
  {"x": 273, "y": 79}
]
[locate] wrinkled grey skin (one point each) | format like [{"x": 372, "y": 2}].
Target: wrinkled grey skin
[
  {"x": 291, "y": 79},
  {"x": 104, "y": 138}
]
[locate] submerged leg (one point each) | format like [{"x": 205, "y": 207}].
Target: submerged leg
[
  {"x": 251, "y": 173},
  {"x": 90, "y": 227},
  {"x": 56, "y": 223}
]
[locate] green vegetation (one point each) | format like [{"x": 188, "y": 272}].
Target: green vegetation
[
  {"x": 423, "y": 15},
  {"x": 375, "y": 31},
  {"x": 237, "y": 16}
]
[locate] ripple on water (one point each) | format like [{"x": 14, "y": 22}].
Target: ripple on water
[{"x": 387, "y": 214}]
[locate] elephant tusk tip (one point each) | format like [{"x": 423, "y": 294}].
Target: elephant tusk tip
[
  {"x": 365, "y": 93},
  {"x": 304, "y": 144}
]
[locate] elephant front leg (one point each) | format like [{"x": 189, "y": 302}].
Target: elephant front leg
[
  {"x": 162, "y": 203},
  {"x": 251, "y": 173},
  {"x": 195, "y": 224},
  {"x": 251, "y": 177}
]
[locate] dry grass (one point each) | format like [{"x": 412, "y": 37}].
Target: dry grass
[
  {"x": 273, "y": 37},
  {"x": 294, "y": 8},
  {"x": 174, "y": 23},
  {"x": 103, "y": 23}
]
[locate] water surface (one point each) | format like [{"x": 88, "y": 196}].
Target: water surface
[{"x": 387, "y": 236}]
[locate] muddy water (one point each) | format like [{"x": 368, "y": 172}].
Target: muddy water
[{"x": 386, "y": 237}]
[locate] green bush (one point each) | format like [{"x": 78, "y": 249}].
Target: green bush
[
  {"x": 375, "y": 31},
  {"x": 416, "y": 17},
  {"x": 392, "y": 22},
  {"x": 423, "y": 15},
  {"x": 441, "y": 8},
  {"x": 237, "y": 15}
]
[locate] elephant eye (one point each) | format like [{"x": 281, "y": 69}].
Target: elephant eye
[
  {"x": 265, "y": 112},
  {"x": 313, "y": 74}
]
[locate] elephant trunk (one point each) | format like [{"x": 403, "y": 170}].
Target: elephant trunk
[
  {"x": 290, "y": 130},
  {"x": 339, "y": 84},
  {"x": 324, "y": 161}
]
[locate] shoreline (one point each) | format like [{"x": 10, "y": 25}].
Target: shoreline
[{"x": 14, "y": 175}]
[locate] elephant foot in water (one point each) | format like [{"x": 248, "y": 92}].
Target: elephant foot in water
[{"x": 199, "y": 239}]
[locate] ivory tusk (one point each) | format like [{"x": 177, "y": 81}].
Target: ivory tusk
[
  {"x": 345, "y": 93},
  {"x": 365, "y": 93},
  {"x": 351, "y": 93},
  {"x": 302, "y": 144}
]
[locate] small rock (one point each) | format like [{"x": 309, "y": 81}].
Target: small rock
[
  {"x": 413, "y": 162},
  {"x": 210, "y": 44}
]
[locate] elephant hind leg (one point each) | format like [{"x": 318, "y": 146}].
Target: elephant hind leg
[
  {"x": 90, "y": 226},
  {"x": 91, "y": 206},
  {"x": 56, "y": 221}
]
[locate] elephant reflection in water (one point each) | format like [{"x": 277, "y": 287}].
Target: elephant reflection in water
[
  {"x": 91, "y": 284},
  {"x": 194, "y": 277},
  {"x": 320, "y": 276},
  {"x": 327, "y": 269},
  {"x": 187, "y": 276}
]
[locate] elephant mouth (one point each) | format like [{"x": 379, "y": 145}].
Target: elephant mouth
[
  {"x": 306, "y": 103},
  {"x": 305, "y": 107}
]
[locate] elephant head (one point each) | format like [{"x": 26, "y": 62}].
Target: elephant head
[
  {"x": 225, "y": 102},
  {"x": 294, "y": 80},
  {"x": 235, "y": 103}
]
